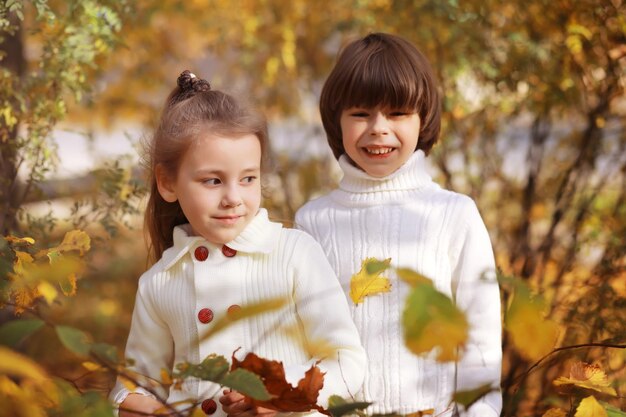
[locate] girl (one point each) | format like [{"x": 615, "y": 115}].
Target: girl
[
  {"x": 380, "y": 110},
  {"x": 219, "y": 251}
]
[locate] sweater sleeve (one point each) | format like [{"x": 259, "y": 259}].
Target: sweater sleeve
[
  {"x": 476, "y": 292},
  {"x": 150, "y": 346},
  {"x": 326, "y": 320}
]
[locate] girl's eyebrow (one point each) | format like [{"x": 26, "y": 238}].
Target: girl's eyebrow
[{"x": 220, "y": 172}]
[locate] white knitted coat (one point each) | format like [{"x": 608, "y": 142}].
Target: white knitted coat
[
  {"x": 270, "y": 262},
  {"x": 408, "y": 218}
]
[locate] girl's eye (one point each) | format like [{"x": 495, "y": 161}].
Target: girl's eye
[
  {"x": 398, "y": 113},
  {"x": 359, "y": 114},
  {"x": 212, "y": 181},
  {"x": 249, "y": 179}
]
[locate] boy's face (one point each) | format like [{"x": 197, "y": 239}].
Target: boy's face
[
  {"x": 218, "y": 185},
  {"x": 379, "y": 141}
]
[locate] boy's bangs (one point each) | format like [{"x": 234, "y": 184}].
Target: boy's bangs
[{"x": 383, "y": 81}]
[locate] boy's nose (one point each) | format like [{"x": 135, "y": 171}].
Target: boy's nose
[{"x": 380, "y": 125}]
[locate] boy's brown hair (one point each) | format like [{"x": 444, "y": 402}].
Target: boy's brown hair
[{"x": 381, "y": 70}]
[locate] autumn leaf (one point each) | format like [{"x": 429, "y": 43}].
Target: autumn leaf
[
  {"x": 15, "y": 364},
  {"x": 585, "y": 376},
  {"x": 368, "y": 280},
  {"x": 411, "y": 277},
  {"x": 338, "y": 406},
  {"x": 555, "y": 412},
  {"x": 285, "y": 397},
  {"x": 74, "y": 240},
  {"x": 431, "y": 321},
  {"x": 531, "y": 332},
  {"x": 589, "y": 407},
  {"x": 19, "y": 240}
]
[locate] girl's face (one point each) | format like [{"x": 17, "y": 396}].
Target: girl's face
[
  {"x": 379, "y": 141},
  {"x": 217, "y": 185}
]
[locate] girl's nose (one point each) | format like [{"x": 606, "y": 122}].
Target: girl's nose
[
  {"x": 380, "y": 125},
  {"x": 232, "y": 197}
]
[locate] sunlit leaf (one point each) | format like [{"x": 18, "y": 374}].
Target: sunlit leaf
[
  {"x": 364, "y": 283},
  {"x": 74, "y": 339},
  {"x": 74, "y": 240},
  {"x": 431, "y": 320},
  {"x": 531, "y": 332},
  {"x": 584, "y": 375},
  {"x": 47, "y": 291},
  {"x": 13, "y": 332},
  {"x": 91, "y": 366},
  {"x": 589, "y": 407}
]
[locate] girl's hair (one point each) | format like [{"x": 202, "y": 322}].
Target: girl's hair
[
  {"x": 381, "y": 70},
  {"x": 191, "y": 110}
]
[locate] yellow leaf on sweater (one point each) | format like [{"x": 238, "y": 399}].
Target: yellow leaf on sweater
[
  {"x": 368, "y": 280},
  {"x": 590, "y": 407}
]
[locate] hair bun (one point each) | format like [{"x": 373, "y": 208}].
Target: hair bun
[{"x": 187, "y": 82}]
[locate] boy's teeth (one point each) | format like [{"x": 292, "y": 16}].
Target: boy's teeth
[{"x": 379, "y": 151}]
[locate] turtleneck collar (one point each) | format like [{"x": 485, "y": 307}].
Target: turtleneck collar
[
  {"x": 410, "y": 176},
  {"x": 259, "y": 236}
]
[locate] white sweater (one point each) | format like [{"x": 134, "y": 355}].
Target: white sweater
[
  {"x": 270, "y": 262},
  {"x": 408, "y": 218}
]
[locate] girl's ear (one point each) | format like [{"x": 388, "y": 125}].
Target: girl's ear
[{"x": 164, "y": 184}]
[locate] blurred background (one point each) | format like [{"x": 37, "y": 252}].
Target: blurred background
[{"x": 534, "y": 129}]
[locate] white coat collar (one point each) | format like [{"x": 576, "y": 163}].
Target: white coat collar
[{"x": 259, "y": 236}]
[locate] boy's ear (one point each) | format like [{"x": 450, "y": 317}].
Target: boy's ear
[{"x": 165, "y": 185}]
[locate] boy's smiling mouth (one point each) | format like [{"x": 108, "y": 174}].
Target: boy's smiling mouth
[{"x": 378, "y": 150}]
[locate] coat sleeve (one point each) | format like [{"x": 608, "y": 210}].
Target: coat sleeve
[
  {"x": 149, "y": 348},
  {"x": 323, "y": 311},
  {"x": 476, "y": 292}
]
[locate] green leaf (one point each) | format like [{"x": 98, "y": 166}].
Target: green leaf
[
  {"x": 469, "y": 397},
  {"x": 14, "y": 332},
  {"x": 75, "y": 340},
  {"x": 105, "y": 351},
  {"x": 212, "y": 368},
  {"x": 338, "y": 406},
  {"x": 374, "y": 266},
  {"x": 431, "y": 321},
  {"x": 246, "y": 383},
  {"x": 612, "y": 411}
]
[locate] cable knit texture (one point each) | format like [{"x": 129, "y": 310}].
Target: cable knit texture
[
  {"x": 270, "y": 262},
  {"x": 408, "y": 218}
]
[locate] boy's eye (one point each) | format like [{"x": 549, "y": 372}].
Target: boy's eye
[
  {"x": 359, "y": 114},
  {"x": 212, "y": 181},
  {"x": 398, "y": 113},
  {"x": 248, "y": 179}
]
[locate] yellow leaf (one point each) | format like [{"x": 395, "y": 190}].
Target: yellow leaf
[
  {"x": 19, "y": 240},
  {"x": 554, "y": 412},
  {"x": 532, "y": 334},
  {"x": 589, "y": 407},
  {"x": 47, "y": 291},
  {"x": 317, "y": 348},
  {"x": 69, "y": 287},
  {"x": 364, "y": 283},
  {"x": 12, "y": 363},
  {"x": 24, "y": 298},
  {"x": 73, "y": 240},
  {"x": 584, "y": 375}
]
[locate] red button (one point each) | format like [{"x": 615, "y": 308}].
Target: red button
[
  {"x": 209, "y": 406},
  {"x": 228, "y": 252},
  {"x": 201, "y": 253},
  {"x": 205, "y": 315},
  {"x": 233, "y": 310}
]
